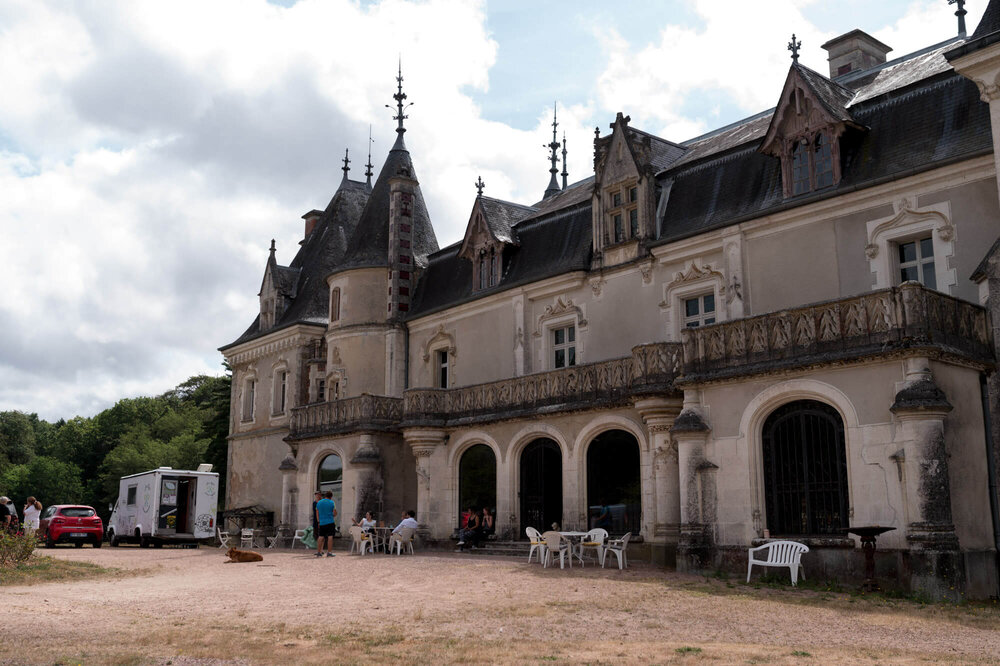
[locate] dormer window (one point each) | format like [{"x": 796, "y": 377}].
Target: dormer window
[
  {"x": 487, "y": 273},
  {"x": 823, "y": 162},
  {"x": 622, "y": 213}
]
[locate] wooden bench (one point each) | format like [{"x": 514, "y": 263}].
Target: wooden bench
[{"x": 780, "y": 554}]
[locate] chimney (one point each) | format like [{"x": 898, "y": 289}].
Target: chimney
[
  {"x": 854, "y": 51},
  {"x": 312, "y": 219}
]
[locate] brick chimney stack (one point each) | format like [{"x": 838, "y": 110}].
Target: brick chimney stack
[
  {"x": 854, "y": 51},
  {"x": 312, "y": 219}
]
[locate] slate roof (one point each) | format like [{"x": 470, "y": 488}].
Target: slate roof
[
  {"x": 833, "y": 96},
  {"x": 318, "y": 254},
  {"x": 990, "y": 22},
  {"x": 368, "y": 246},
  {"x": 912, "y": 129},
  {"x": 574, "y": 194},
  {"x": 502, "y": 215}
]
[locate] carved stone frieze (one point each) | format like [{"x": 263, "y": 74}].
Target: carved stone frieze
[{"x": 557, "y": 309}]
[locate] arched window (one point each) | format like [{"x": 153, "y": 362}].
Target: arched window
[
  {"x": 614, "y": 489},
  {"x": 477, "y": 479},
  {"x": 805, "y": 470},
  {"x": 330, "y": 476},
  {"x": 823, "y": 162},
  {"x": 483, "y": 272},
  {"x": 541, "y": 485},
  {"x": 800, "y": 168}
]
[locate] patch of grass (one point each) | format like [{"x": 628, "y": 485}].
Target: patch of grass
[
  {"x": 800, "y": 653},
  {"x": 687, "y": 649},
  {"x": 42, "y": 569}
]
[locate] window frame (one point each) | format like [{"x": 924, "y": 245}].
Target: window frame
[
  {"x": 568, "y": 346},
  {"x": 279, "y": 390},
  {"x": 130, "y": 494},
  {"x": 442, "y": 368},
  {"x": 699, "y": 319},
  {"x": 621, "y": 201},
  {"x": 909, "y": 224},
  {"x": 248, "y": 408}
]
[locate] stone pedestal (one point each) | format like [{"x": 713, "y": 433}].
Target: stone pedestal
[
  {"x": 289, "y": 492},
  {"x": 424, "y": 442},
  {"x": 694, "y": 542},
  {"x": 366, "y": 471},
  {"x": 658, "y": 414}
]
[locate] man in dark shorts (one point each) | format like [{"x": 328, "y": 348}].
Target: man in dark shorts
[{"x": 326, "y": 511}]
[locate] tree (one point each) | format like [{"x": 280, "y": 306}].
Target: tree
[
  {"x": 17, "y": 437},
  {"x": 49, "y": 480}
]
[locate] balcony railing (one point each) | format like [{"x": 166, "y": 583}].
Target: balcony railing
[
  {"x": 650, "y": 368},
  {"x": 365, "y": 412},
  {"x": 880, "y": 322}
]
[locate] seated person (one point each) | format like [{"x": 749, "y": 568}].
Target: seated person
[
  {"x": 367, "y": 524},
  {"x": 409, "y": 519},
  {"x": 488, "y": 525},
  {"x": 469, "y": 535}
]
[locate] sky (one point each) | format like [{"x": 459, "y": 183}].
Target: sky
[{"x": 150, "y": 150}]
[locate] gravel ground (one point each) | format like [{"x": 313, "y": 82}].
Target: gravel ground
[{"x": 188, "y": 606}]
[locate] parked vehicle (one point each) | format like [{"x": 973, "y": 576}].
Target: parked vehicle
[
  {"x": 71, "y": 523},
  {"x": 165, "y": 505}
]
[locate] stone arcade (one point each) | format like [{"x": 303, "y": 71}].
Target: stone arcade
[{"x": 784, "y": 327}]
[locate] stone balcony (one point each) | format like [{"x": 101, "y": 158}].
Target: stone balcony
[
  {"x": 365, "y": 412},
  {"x": 904, "y": 320}
]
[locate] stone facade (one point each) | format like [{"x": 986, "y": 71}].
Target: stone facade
[{"x": 688, "y": 309}]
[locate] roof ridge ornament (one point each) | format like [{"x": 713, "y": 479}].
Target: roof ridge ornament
[
  {"x": 368, "y": 166},
  {"x": 565, "y": 173},
  {"x": 272, "y": 248},
  {"x": 479, "y": 186},
  {"x": 553, "y": 187},
  {"x": 400, "y": 97},
  {"x": 960, "y": 13},
  {"x": 794, "y": 46},
  {"x": 346, "y": 162}
]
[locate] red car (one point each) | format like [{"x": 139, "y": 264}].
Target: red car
[{"x": 71, "y": 523}]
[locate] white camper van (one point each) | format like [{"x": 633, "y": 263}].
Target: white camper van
[{"x": 165, "y": 506}]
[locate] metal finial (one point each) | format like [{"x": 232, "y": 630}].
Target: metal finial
[
  {"x": 272, "y": 246},
  {"x": 565, "y": 173},
  {"x": 597, "y": 132},
  {"x": 794, "y": 46},
  {"x": 368, "y": 167},
  {"x": 479, "y": 186},
  {"x": 400, "y": 96},
  {"x": 960, "y": 13},
  {"x": 553, "y": 187},
  {"x": 346, "y": 161}
]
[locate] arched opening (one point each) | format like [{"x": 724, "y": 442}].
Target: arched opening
[
  {"x": 330, "y": 476},
  {"x": 805, "y": 470},
  {"x": 541, "y": 484},
  {"x": 477, "y": 479},
  {"x": 614, "y": 488}
]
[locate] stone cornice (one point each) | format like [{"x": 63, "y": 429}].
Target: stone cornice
[{"x": 272, "y": 343}]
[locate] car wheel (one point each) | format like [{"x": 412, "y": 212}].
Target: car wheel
[
  {"x": 49, "y": 541},
  {"x": 157, "y": 545},
  {"x": 97, "y": 544},
  {"x": 144, "y": 542},
  {"x": 78, "y": 544},
  {"x": 113, "y": 539}
]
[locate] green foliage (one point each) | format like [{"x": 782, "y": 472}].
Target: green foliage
[
  {"x": 16, "y": 548},
  {"x": 82, "y": 459}
]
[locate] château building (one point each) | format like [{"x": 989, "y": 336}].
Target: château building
[{"x": 782, "y": 328}]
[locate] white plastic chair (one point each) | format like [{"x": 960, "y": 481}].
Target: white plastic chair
[
  {"x": 537, "y": 543},
  {"x": 361, "y": 540},
  {"x": 556, "y": 543},
  {"x": 620, "y": 548},
  {"x": 780, "y": 554},
  {"x": 401, "y": 538},
  {"x": 299, "y": 534},
  {"x": 595, "y": 539},
  {"x": 246, "y": 538},
  {"x": 223, "y": 538}
]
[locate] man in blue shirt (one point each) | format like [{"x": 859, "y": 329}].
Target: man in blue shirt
[{"x": 326, "y": 510}]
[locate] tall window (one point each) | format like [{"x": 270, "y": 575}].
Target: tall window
[
  {"x": 320, "y": 390},
  {"x": 823, "y": 162},
  {"x": 805, "y": 470},
  {"x": 916, "y": 262},
  {"x": 800, "y": 168},
  {"x": 493, "y": 267},
  {"x": 335, "y": 304},
  {"x": 812, "y": 164},
  {"x": 442, "y": 368},
  {"x": 623, "y": 213},
  {"x": 564, "y": 346},
  {"x": 699, "y": 311},
  {"x": 249, "y": 398},
  {"x": 280, "y": 392},
  {"x": 482, "y": 269}
]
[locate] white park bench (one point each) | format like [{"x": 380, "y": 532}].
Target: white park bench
[{"x": 780, "y": 554}]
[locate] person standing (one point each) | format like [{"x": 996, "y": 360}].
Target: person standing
[
  {"x": 32, "y": 509},
  {"x": 5, "y": 514},
  {"x": 316, "y": 498},
  {"x": 326, "y": 512}
]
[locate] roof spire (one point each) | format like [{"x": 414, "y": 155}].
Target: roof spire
[
  {"x": 368, "y": 167},
  {"x": 960, "y": 13},
  {"x": 479, "y": 186},
  {"x": 346, "y": 161},
  {"x": 400, "y": 96},
  {"x": 794, "y": 46},
  {"x": 272, "y": 248},
  {"x": 553, "y": 187},
  {"x": 565, "y": 173}
]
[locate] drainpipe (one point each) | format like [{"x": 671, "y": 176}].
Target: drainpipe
[{"x": 991, "y": 473}]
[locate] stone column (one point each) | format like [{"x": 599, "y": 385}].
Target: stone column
[
  {"x": 424, "y": 442},
  {"x": 366, "y": 464},
  {"x": 691, "y": 434},
  {"x": 658, "y": 414},
  {"x": 935, "y": 563},
  {"x": 289, "y": 493}
]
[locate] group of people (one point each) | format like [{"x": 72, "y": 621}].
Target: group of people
[
  {"x": 30, "y": 513},
  {"x": 476, "y": 526},
  {"x": 324, "y": 515}
]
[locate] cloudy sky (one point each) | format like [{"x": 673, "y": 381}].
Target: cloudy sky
[{"x": 149, "y": 151}]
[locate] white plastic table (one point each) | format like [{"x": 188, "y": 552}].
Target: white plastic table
[{"x": 574, "y": 538}]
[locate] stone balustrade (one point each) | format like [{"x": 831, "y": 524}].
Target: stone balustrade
[
  {"x": 877, "y": 323},
  {"x": 364, "y": 412}
]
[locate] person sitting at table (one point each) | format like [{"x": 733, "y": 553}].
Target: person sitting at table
[
  {"x": 367, "y": 524},
  {"x": 409, "y": 519},
  {"x": 469, "y": 535}
]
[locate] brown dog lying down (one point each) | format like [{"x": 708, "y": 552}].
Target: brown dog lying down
[{"x": 243, "y": 556}]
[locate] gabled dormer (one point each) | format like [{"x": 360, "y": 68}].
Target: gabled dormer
[
  {"x": 806, "y": 130},
  {"x": 277, "y": 289},
  {"x": 488, "y": 236},
  {"x": 625, "y": 163}
]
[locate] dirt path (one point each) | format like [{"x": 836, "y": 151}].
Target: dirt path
[{"x": 186, "y": 605}]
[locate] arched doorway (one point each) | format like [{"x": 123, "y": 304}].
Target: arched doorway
[
  {"x": 541, "y": 484},
  {"x": 477, "y": 479},
  {"x": 805, "y": 470},
  {"x": 614, "y": 487},
  {"x": 330, "y": 476}
]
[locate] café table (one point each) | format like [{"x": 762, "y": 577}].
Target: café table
[
  {"x": 380, "y": 538},
  {"x": 574, "y": 539}
]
